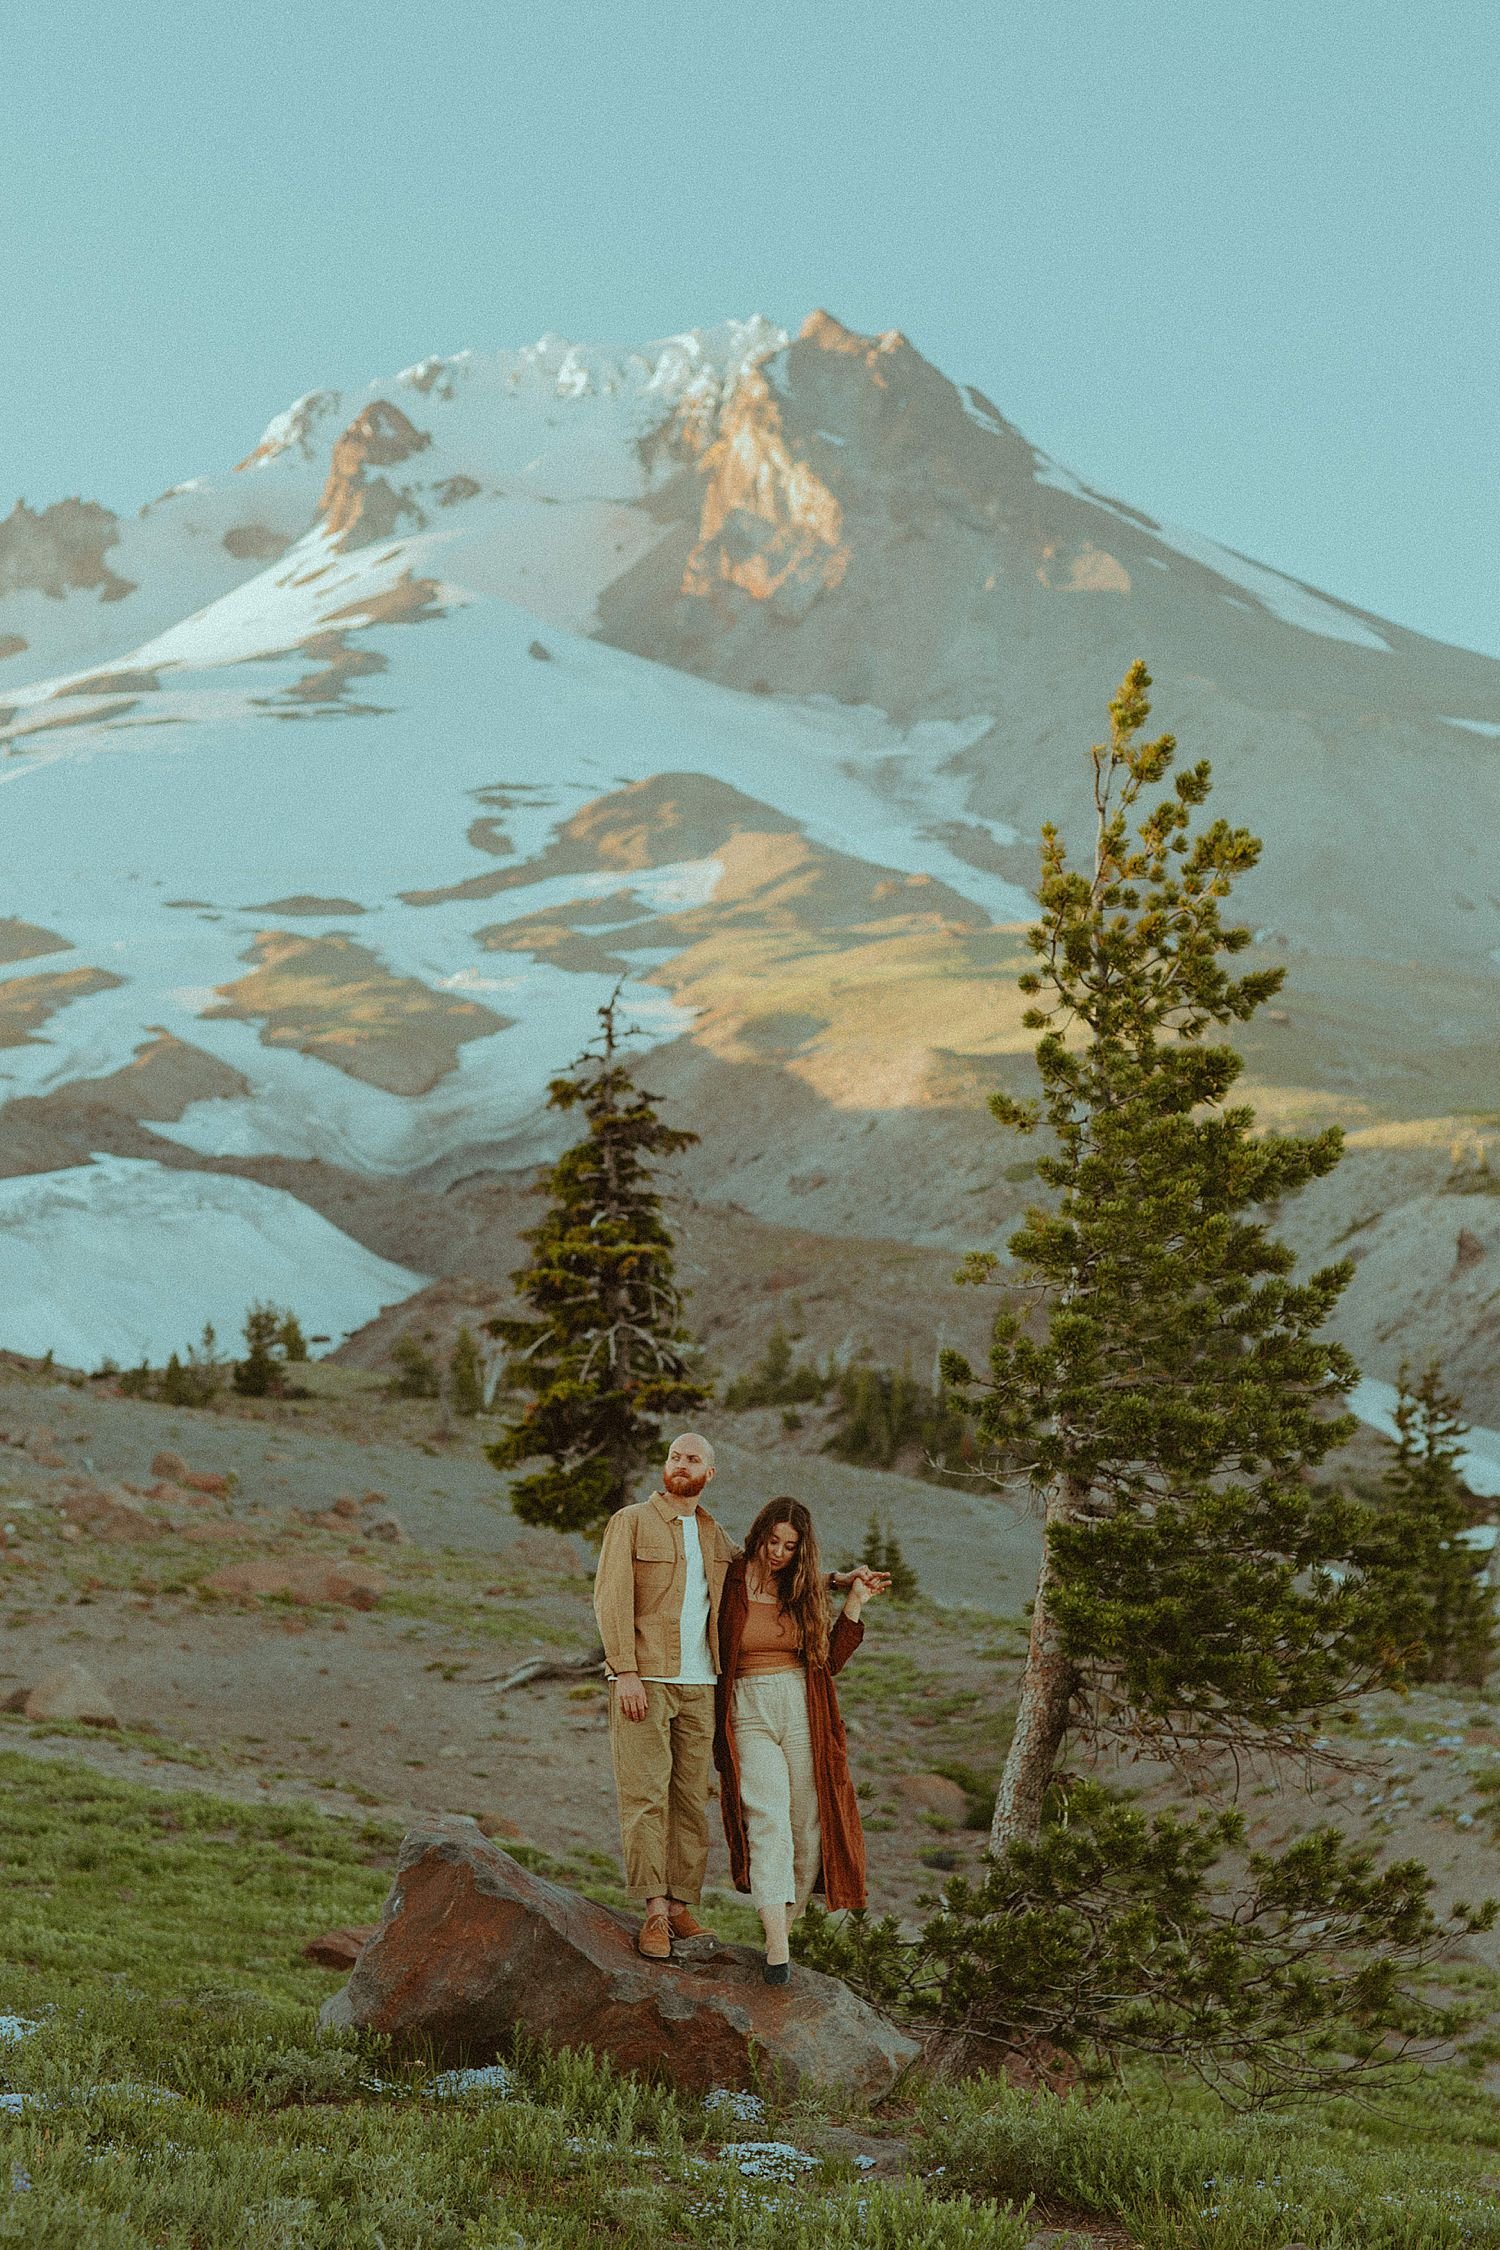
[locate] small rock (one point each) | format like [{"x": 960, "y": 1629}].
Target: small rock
[
  {"x": 933, "y": 1792},
  {"x": 71, "y": 1692},
  {"x": 340, "y": 1949},
  {"x": 1468, "y": 1250},
  {"x": 95, "y": 1509},
  {"x": 373, "y": 1500},
  {"x": 209, "y": 1481},
  {"x": 16, "y": 1700},
  {"x": 346, "y": 1505},
  {"x": 388, "y": 1527},
  {"x": 496, "y": 1824},
  {"x": 169, "y": 1465}
]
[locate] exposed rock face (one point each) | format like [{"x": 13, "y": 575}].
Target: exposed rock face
[
  {"x": 770, "y": 526},
  {"x": 60, "y": 551},
  {"x": 471, "y": 1947},
  {"x": 355, "y": 506}
]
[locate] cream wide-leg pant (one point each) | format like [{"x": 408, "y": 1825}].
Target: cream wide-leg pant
[{"x": 777, "y": 1787}]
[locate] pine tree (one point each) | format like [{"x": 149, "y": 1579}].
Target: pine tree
[
  {"x": 416, "y": 1371},
  {"x": 293, "y": 1342},
  {"x": 603, "y": 1353},
  {"x": 882, "y": 1551},
  {"x": 258, "y": 1374},
  {"x": 1430, "y": 1611},
  {"x": 466, "y": 1375},
  {"x": 1167, "y": 1391}
]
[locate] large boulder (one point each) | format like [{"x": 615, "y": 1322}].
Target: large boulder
[{"x": 472, "y": 1946}]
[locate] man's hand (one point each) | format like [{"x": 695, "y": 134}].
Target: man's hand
[
  {"x": 632, "y": 1695},
  {"x": 870, "y": 1581}
]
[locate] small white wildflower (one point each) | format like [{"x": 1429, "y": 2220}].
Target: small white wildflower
[{"x": 492, "y": 2078}]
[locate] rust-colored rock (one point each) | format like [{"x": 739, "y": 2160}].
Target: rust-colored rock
[
  {"x": 340, "y": 1949},
  {"x": 935, "y": 1793},
  {"x": 472, "y": 1946},
  {"x": 169, "y": 1465},
  {"x": 209, "y": 1481},
  {"x": 104, "y": 1515}
]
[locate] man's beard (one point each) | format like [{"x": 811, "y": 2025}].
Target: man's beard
[{"x": 686, "y": 1483}]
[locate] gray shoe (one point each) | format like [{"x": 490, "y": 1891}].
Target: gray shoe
[{"x": 776, "y": 1972}]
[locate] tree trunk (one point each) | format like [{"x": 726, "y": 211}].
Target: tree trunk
[{"x": 1047, "y": 1689}]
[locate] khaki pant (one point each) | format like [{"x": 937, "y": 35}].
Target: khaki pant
[
  {"x": 777, "y": 1787},
  {"x": 663, "y": 1773}
]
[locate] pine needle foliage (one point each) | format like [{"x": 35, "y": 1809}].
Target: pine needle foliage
[
  {"x": 604, "y": 1352},
  {"x": 1122, "y": 1933},
  {"x": 1429, "y": 1608},
  {"x": 466, "y": 1375},
  {"x": 1166, "y": 1390}
]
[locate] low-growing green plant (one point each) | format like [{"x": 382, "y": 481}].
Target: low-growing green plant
[{"x": 416, "y": 1373}]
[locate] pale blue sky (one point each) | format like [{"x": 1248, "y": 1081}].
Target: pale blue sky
[{"x": 1240, "y": 265}]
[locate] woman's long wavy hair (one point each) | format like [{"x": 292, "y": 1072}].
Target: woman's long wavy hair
[{"x": 801, "y": 1587}]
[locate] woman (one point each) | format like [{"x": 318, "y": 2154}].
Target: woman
[{"x": 790, "y": 1816}]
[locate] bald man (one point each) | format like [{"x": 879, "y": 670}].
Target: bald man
[{"x": 656, "y": 1596}]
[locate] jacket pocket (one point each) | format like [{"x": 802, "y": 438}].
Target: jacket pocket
[{"x": 655, "y": 1568}]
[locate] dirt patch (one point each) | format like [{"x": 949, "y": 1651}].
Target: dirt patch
[
  {"x": 340, "y": 664},
  {"x": 163, "y": 1078},
  {"x": 27, "y": 1002},
  {"x": 12, "y": 644},
  {"x": 24, "y": 941},
  {"x": 306, "y": 902},
  {"x": 112, "y": 683},
  {"x": 255, "y": 542},
  {"x": 336, "y": 1001},
  {"x": 60, "y": 551}
]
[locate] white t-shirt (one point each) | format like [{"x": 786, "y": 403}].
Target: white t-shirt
[{"x": 695, "y": 1666}]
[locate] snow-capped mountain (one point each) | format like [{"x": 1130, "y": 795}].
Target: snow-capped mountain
[{"x": 348, "y": 781}]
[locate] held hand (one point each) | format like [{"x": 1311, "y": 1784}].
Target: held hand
[
  {"x": 864, "y": 1584},
  {"x": 631, "y": 1694},
  {"x": 872, "y": 1581}
]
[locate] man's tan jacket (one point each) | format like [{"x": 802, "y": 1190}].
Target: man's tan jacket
[{"x": 640, "y": 1582}]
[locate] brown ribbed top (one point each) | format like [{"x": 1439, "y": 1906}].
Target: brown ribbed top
[{"x": 769, "y": 1642}]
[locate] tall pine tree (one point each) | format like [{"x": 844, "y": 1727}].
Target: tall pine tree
[
  {"x": 1430, "y": 1610},
  {"x": 1167, "y": 1390},
  {"x": 604, "y": 1353}
]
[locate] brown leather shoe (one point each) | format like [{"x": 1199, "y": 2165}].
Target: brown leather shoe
[
  {"x": 655, "y": 1939},
  {"x": 684, "y": 1922}
]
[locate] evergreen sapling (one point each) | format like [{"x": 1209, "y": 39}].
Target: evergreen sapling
[{"x": 602, "y": 1353}]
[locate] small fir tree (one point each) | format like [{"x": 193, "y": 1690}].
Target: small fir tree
[
  {"x": 1430, "y": 1610},
  {"x": 258, "y": 1374},
  {"x": 466, "y": 1375},
  {"x": 293, "y": 1342},
  {"x": 416, "y": 1373},
  {"x": 1168, "y": 1390},
  {"x": 603, "y": 1353},
  {"x": 882, "y": 1551}
]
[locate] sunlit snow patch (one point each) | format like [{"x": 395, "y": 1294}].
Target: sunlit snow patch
[{"x": 123, "y": 1260}]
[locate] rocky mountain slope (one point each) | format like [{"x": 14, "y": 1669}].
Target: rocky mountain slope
[{"x": 747, "y": 667}]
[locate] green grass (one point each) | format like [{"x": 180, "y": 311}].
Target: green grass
[{"x": 157, "y": 1938}]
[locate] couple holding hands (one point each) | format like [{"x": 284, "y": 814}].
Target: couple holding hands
[{"x": 721, "y": 1658}]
